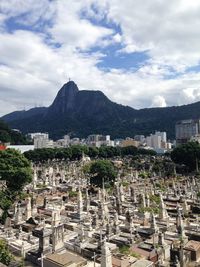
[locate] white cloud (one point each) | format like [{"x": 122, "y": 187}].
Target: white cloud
[
  {"x": 71, "y": 29},
  {"x": 26, "y": 11},
  {"x": 33, "y": 65},
  {"x": 159, "y": 101},
  {"x": 168, "y": 30}
]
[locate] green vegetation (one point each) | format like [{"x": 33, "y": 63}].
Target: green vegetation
[
  {"x": 135, "y": 255},
  {"x": 143, "y": 175},
  {"x": 187, "y": 154},
  {"x": 154, "y": 205},
  {"x": 15, "y": 169},
  {"x": 164, "y": 166},
  {"x": 9, "y": 136},
  {"x": 44, "y": 154},
  {"x": 125, "y": 183},
  {"x": 161, "y": 186},
  {"x": 76, "y": 151},
  {"x": 102, "y": 170},
  {"x": 93, "y": 112},
  {"x": 73, "y": 193},
  {"x": 154, "y": 210},
  {"x": 126, "y": 251},
  {"x": 5, "y": 255},
  {"x": 41, "y": 186},
  {"x": 155, "y": 199}
]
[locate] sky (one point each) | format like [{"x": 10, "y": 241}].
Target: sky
[{"x": 139, "y": 53}]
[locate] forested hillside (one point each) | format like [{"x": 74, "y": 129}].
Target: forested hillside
[{"x": 9, "y": 136}]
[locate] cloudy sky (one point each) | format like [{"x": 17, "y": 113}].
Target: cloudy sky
[{"x": 139, "y": 53}]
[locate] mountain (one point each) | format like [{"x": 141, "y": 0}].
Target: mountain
[
  {"x": 10, "y": 136},
  {"x": 81, "y": 113},
  {"x": 18, "y": 115}
]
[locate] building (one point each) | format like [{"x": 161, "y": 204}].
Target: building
[
  {"x": 22, "y": 148},
  {"x": 2, "y": 147},
  {"x": 163, "y": 136},
  {"x": 129, "y": 142},
  {"x": 34, "y": 135},
  {"x": 186, "y": 129},
  {"x": 117, "y": 142},
  {"x": 158, "y": 142},
  {"x": 98, "y": 140},
  {"x": 140, "y": 138},
  {"x": 65, "y": 142},
  {"x": 75, "y": 141},
  {"x": 154, "y": 141},
  {"x": 41, "y": 140},
  {"x": 65, "y": 259}
]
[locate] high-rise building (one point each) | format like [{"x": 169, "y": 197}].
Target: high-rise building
[
  {"x": 41, "y": 140},
  {"x": 186, "y": 129},
  {"x": 99, "y": 140},
  {"x": 140, "y": 138},
  {"x": 156, "y": 140},
  {"x": 163, "y": 136}
]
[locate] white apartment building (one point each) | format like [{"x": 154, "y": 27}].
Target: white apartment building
[
  {"x": 41, "y": 140},
  {"x": 158, "y": 141},
  {"x": 163, "y": 136},
  {"x": 35, "y": 135},
  {"x": 65, "y": 142},
  {"x": 98, "y": 140}
]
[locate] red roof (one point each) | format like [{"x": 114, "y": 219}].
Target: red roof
[{"x": 2, "y": 147}]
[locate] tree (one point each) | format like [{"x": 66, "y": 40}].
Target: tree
[
  {"x": 5, "y": 255},
  {"x": 62, "y": 153},
  {"x": 129, "y": 150},
  {"x": 142, "y": 151},
  {"x": 93, "y": 152},
  {"x": 77, "y": 151},
  {"x": 9, "y": 136},
  {"x": 15, "y": 169},
  {"x": 102, "y": 171},
  {"x": 187, "y": 154}
]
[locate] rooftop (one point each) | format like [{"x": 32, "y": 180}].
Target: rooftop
[
  {"x": 192, "y": 245},
  {"x": 65, "y": 259}
]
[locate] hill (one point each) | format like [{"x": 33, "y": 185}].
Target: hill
[
  {"x": 9, "y": 136},
  {"x": 81, "y": 113}
]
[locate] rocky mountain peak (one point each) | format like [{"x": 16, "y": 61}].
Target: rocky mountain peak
[{"x": 65, "y": 98}]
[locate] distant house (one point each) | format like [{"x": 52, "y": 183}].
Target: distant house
[{"x": 2, "y": 147}]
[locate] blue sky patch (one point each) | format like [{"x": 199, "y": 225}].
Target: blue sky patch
[{"x": 116, "y": 59}]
